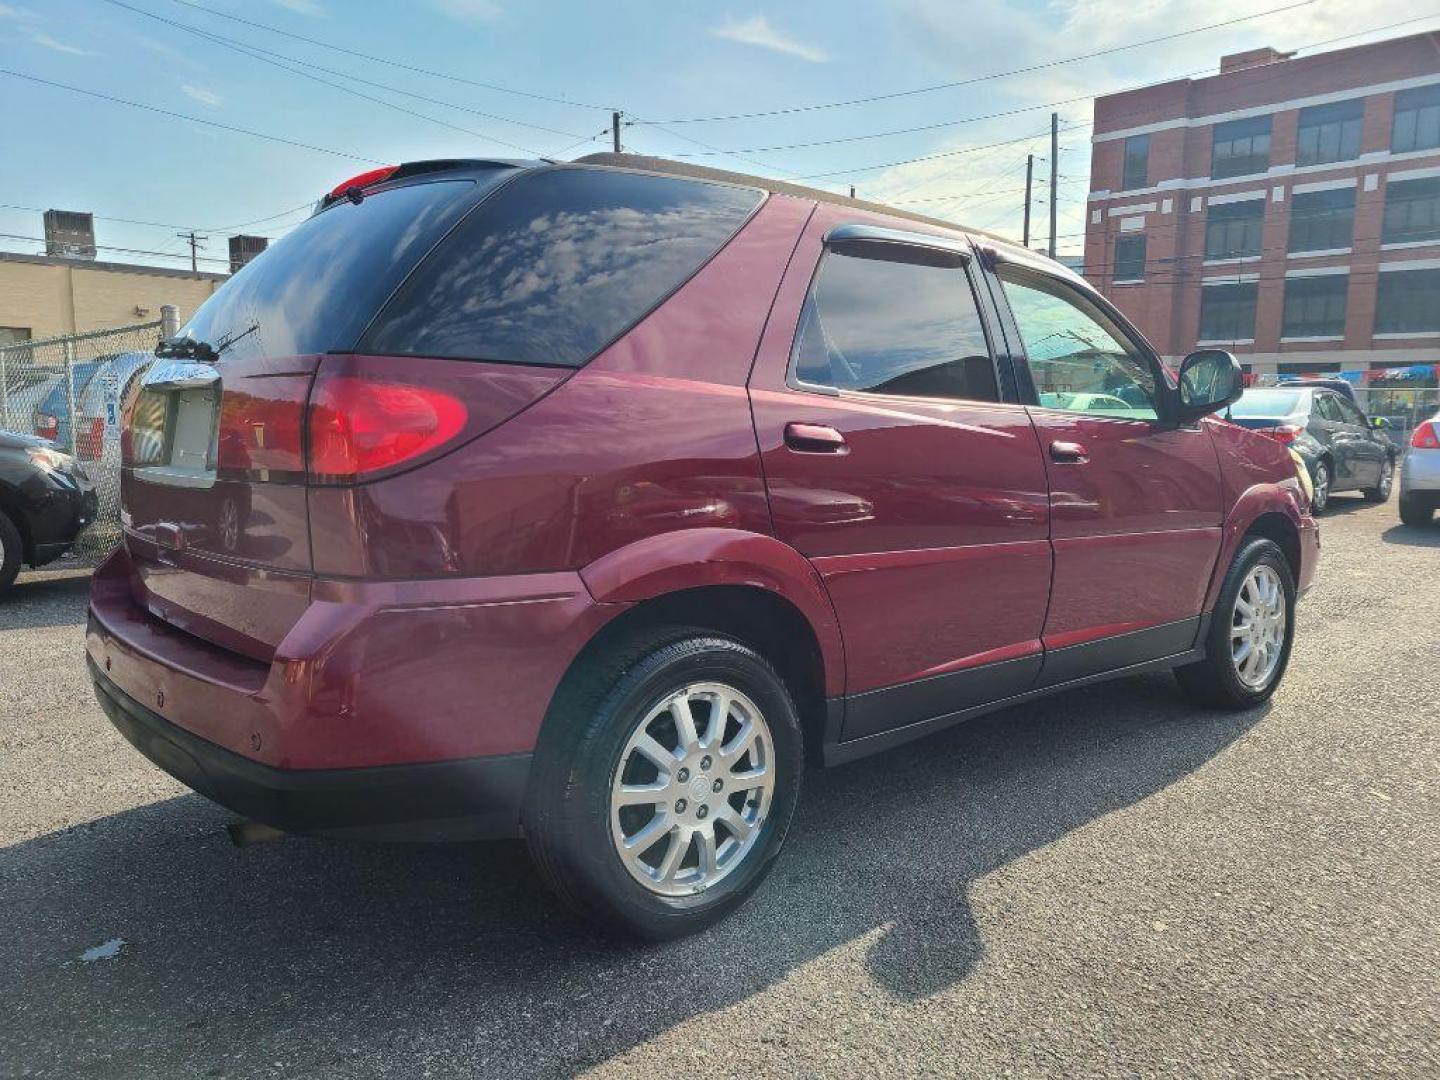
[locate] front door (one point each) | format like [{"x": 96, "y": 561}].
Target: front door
[
  {"x": 892, "y": 464},
  {"x": 1135, "y": 502},
  {"x": 1366, "y": 451}
]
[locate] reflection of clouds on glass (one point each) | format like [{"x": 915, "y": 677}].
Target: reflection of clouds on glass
[{"x": 559, "y": 265}]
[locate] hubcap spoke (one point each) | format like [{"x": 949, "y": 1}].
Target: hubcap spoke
[{"x": 1257, "y": 627}]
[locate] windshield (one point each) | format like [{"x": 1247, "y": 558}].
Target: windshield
[
  {"x": 316, "y": 288},
  {"x": 1267, "y": 403}
]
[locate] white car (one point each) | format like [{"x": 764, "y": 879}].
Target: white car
[{"x": 1420, "y": 474}]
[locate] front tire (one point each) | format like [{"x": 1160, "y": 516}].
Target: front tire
[
  {"x": 1381, "y": 491},
  {"x": 10, "y": 552},
  {"x": 1251, "y": 631},
  {"x": 665, "y": 782}
]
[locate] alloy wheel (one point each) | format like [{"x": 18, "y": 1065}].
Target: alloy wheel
[
  {"x": 693, "y": 788},
  {"x": 1257, "y": 627},
  {"x": 1387, "y": 478},
  {"x": 1322, "y": 487}
]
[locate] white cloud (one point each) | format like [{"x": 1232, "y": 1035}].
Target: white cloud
[
  {"x": 757, "y": 31},
  {"x": 23, "y": 15},
  {"x": 46, "y": 41},
  {"x": 473, "y": 10},
  {"x": 202, "y": 95},
  {"x": 301, "y": 7}
]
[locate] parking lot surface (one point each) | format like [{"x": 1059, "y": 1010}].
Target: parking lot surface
[{"x": 1110, "y": 882}]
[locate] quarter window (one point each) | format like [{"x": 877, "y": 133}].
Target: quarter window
[
  {"x": 1330, "y": 132},
  {"x": 1130, "y": 257},
  {"x": 1227, "y": 312},
  {"x": 883, "y": 318},
  {"x": 1240, "y": 147},
  {"x": 1079, "y": 359},
  {"x": 1412, "y": 211},
  {"x": 1235, "y": 230},
  {"x": 1417, "y": 119},
  {"x": 557, "y": 264},
  {"x": 1315, "y": 306},
  {"x": 1137, "y": 162},
  {"x": 1328, "y": 408},
  {"x": 1322, "y": 220},
  {"x": 1408, "y": 302}
]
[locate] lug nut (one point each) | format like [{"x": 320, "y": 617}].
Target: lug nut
[
  {"x": 705, "y": 762},
  {"x": 703, "y": 812},
  {"x": 684, "y": 775},
  {"x": 680, "y": 805},
  {"x": 717, "y": 785}
]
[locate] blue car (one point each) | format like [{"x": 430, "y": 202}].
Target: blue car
[{"x": 52, "y": 419}]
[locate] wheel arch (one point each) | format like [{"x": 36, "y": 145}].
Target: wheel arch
[
  {"x": 10, "y": 506},
  {"x": 1269, "y": 510}
]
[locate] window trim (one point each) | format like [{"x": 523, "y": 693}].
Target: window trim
[
  {"x": 855, "y": 233},
  {"x": 1331, "y": 107}
]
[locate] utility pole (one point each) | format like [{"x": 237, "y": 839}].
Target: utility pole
[
  {"x": 1029, "y": 183},
  {"x": 1054, "y": 173},
  {"x": 852, "y": 191},
  {"x": 615, "y": 131},
  {"x": 194, "y": 242}
]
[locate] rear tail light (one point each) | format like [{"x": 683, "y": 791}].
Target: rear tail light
[
  {"x": 1282, "y": 433},
  {"x": 1426, "y": 437},
  {"x": 90, "y": 438},
  {"x": 359, "y": 183},
  {"x": 47, "y": 426},
  {"x": 359, "y": 424}
]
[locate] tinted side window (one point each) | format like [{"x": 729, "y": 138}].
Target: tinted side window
[
  {"x": 1349, "y": 413},
  {"x": 1078, "y": 359},
  {"x": 893, "y": 320},
  {"x": 556, "y": 265}
]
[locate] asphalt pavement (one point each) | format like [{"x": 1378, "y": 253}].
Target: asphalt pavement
[{"x": 1108, "y": 883}]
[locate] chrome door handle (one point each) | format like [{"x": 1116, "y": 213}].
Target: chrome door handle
[{"x": 1068, "y": 453}]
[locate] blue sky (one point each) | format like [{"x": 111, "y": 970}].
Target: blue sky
[{"x": 656, "y": 61}]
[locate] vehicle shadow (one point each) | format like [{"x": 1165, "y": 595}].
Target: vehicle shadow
[
  {"x": 337, "y": 957},
  {"x": 1413, "y": 535},
  {"x": 45, "y": 598}
]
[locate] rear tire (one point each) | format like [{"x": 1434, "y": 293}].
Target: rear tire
[
  {"x": 1320, "y": 482},
  {"x": 589, "y": 818},
  {"x": 1381, "y": 491},
  {"x": 10, "y": 552},
  {"x": 1229, "y": 677},
  {"x": 1416, "y": 511}
]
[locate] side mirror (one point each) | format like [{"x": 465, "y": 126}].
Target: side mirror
[{"x": 1210, "y": 379}]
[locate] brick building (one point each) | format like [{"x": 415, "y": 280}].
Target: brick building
[{"x": 1287, "y": 209}]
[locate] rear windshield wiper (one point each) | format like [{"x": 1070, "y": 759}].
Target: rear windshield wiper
[{"x": 191, "y": 349}]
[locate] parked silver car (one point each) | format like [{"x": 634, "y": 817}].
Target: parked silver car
[{"x": 1420, "y": 474}]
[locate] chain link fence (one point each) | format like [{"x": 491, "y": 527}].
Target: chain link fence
[
  {"x": 68, "y": 390},
  {"x": 1404, "y": 408}
]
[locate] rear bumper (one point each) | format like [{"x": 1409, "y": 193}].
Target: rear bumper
[
  {"x": 1420, "y": 471},
  {"x": 447, "y": 800}
]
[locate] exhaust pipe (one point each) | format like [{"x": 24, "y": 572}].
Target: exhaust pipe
[{"x": 245, "y": 833}]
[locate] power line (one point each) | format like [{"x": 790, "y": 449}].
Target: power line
[
  {"x": 391, "y": 63},
  {"x": 250, "y": 49},
  {"x": 932, "y": 157},
  {"x": 171, "y": 224},
  {"x": 191, "y": 119},
  {"x": 125, "y": 250},
  {"x": 984, "y": 78}
]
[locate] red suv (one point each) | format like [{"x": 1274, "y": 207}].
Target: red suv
[{"x": 589, "y": 501}]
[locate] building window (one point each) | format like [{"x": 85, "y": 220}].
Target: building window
[
  {"x": 1412, "y": 211},
  {"x": 1227, "y": 312},
  {"x": 1408, "y": 302},
  {"x": 1417, "y": 119},
  {"x": 1137, "y": 162},
  {"x": 1315, "y": 306},
  {"x": 1240, "y": 147},
  {"x": 1130, "y": 257},
  {"x": 1234, "y": 230},
  {"x": 1330, "y": 132},
  {"x": 1322, "y": 220}
]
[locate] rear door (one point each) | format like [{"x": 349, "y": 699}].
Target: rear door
[
  {"x": 1135, "y": 502},
  {"x": 892, "y": 464}
]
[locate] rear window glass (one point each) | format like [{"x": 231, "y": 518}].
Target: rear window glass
[
  {"x": 555, "y": 266},
  {"x": 1266, "y": 403},
  {"x": 317, "y": 287}
]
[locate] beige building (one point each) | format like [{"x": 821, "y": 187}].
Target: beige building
[{"x": 45, "y": 296}]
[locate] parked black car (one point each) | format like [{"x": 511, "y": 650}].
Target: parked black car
[
  {"x": 1343, "y": 449},
  {"x": 46, "y": 500}
]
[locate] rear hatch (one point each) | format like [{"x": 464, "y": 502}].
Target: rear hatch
[{"x": 213, "y": 492}]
